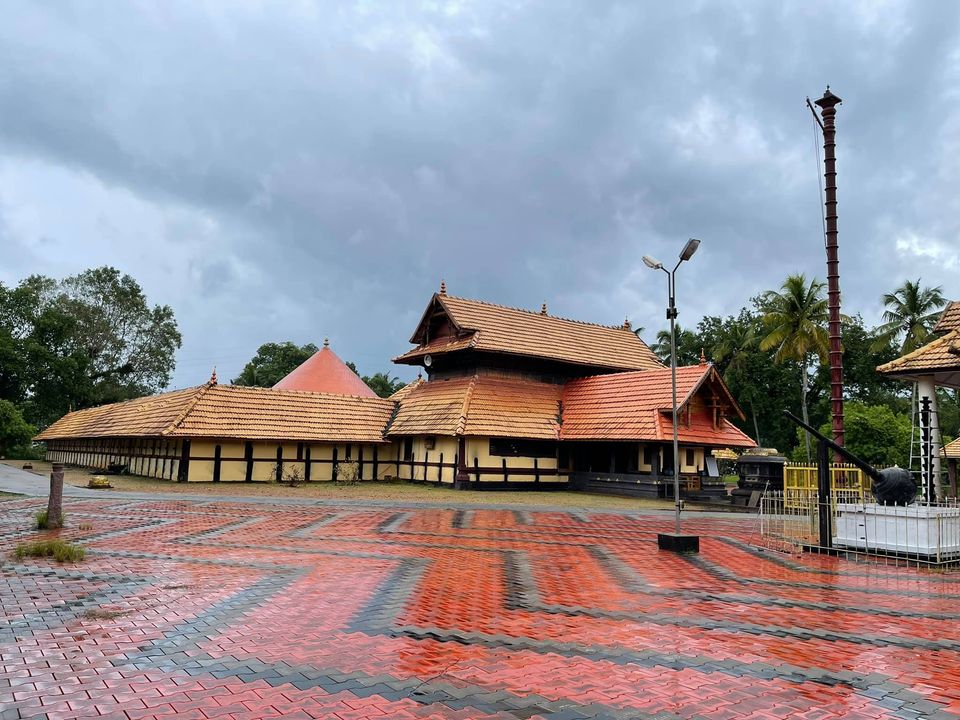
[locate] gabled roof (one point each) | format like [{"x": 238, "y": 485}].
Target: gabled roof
[
  {"x": 939, "y": 358},
  {"x": 325, "y": 372},
  {"x": 632, "y": 406},
  {"x": 406, "y": 390},
  {"x": 949, "y": 318},
  {"x": 486, "y": 327},
  {"x": 232, "y": 412},
  {"x": 638, "y": 406},
  {"x": 483, "y": 405},
  {"x": 143, "y": 417}
]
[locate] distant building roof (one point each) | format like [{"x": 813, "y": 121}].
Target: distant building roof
[
  {"x": 485, "y": 327},
  {"x": 232, "y": 412},
  {"x": 939, "y": 358},
  {"x": 952, "y": 450},
  {"x": 949, "y": 318},
  {"x": 324, "y": 372}
]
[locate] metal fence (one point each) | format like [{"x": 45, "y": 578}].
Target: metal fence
[
  {"x": 800, "y": 480},
  {"x": 923, "y": 534}
]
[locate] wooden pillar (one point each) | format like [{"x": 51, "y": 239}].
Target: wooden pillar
[
  {"x": 183, "y": 471},
  {"x": 279, "y": 471},
  {"x": 476, "y": 470},
  {"x": 333, "y": 472},
  {"x": 461, "y": 480},
  {"x": 536, "y": 471},
  {"x": 216, "y": 463},
  {"x": 248, "y": 456},
  {"x": 440, "y": 471},
  {"x": 360, "y": 462},
  {"x": 376, "y": 463},
  {"x": 307, "y": 464}
]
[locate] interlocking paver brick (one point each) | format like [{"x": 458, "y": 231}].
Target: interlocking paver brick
[{"x": 209, "y": 609}]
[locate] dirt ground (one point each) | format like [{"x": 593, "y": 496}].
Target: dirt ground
[{"x": 361, "y": 491}]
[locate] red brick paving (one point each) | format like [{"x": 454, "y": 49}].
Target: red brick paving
[{"x": 195, "y": 609}]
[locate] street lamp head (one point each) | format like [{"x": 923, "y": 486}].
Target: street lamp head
[
  {"x": 651, "y": 263},
  {"x": 689, "y": 249}
]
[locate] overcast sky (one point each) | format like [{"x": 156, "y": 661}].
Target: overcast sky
[{"x": 294, "y": 170}]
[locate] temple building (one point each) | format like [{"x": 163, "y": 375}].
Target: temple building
[
  {"x": 512, "y": 398},
  {"x": 936, "y": 364}
]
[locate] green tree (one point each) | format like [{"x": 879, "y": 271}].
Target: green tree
[
  {"x": 14, "y": 430},
  {"x": 273, "y": 362},
  {"x": 85, "y": 340},
  {"x": 874, "y": 433},
  {"x": 794, "y": 321},
  {"x": 383, "y": 384},
  {"x": 911, "y": 312}
]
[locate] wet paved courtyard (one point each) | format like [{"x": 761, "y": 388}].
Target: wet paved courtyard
[{"x": 194, "y": 609}]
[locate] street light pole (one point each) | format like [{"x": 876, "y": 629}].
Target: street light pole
[{"x": 678, "y": 542}]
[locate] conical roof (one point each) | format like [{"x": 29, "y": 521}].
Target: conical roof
[{"x": 324, "y": 372}]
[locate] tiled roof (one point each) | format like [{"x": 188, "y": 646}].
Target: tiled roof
[
  {"x": 406, "y": 390},
  {"x": 952, "y": 450},
  {"x": 480, "y": 405},
  {"x": 485, "y": 327},
  {"x": 940, "y": 354},
  {"x": 949, "y": 318},
  {"x": 229, "y": 411},
  {"x": 324, "y": 372},
  {"x": 636, "y": 406},
  {"x": 143, "y": 417}
]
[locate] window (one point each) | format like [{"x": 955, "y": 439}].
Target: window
[
  {"x": 408, "y": 448},
  {"x": 691, "y": 457},
  {"x": 647, "y": 455},
  {"x": 513, "y": 447}
]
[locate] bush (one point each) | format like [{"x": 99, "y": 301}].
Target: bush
[
  {"x": 59, "y": 550},
  {"x": 43, "y": 521},
  {"x": 15, "y": 432},
  {"x": 348, "y": 472}
]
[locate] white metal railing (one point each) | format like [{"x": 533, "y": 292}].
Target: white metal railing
[{"x": 927, "y": 533}]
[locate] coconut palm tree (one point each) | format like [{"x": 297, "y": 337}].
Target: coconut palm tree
[
  {"x": 688, "y": 346},
  {"x": 911, "y": 313},
  {"x": 794, "y": 321}
]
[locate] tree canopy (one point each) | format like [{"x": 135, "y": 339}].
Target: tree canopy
[
  {"x": 273, "y": 362},
  {"x": 85, "y": 340}
]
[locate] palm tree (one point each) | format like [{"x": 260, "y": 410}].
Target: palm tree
[
  {"x": 688, "y": 346},
  {"x": 911, "y": 312},
  {"x": 794, "y": 321}
]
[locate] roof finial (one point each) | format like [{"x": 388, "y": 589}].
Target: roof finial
[
  {"x": 213, "y": 376},
  {"x": 443, "y": 287},
  {"x": 326, "y": 342},
  {"x": 703, "y": 357},
  {"x": 626, "y": 324},
  {"x": 543, "y": 309}
]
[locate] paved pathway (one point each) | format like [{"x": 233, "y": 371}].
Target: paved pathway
[{"x": 208, "y": 608}]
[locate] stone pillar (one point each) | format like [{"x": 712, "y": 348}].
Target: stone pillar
[
  {"x": 55, "y": 503},
  {"x": 926, "y": 388}
]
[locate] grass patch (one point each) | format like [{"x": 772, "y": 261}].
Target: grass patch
[
  {"x": 43, "y": 520},
  {"x": 8, "y": 496},
  {"x": 101, "y": 614},
  {"x": 59, "y": 550}
]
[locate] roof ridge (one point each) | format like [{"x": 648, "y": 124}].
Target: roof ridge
[
  {"x": 536, "y": 313},
  {"x": 259, "y": 388},
  {"x": 201, "y": 391},
  {"x": 467, "y": 396}
]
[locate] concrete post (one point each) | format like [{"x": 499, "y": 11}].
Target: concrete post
[{"x": 55, "y": 503}]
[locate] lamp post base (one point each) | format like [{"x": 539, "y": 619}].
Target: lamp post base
[{"x": 678, "y": 543}]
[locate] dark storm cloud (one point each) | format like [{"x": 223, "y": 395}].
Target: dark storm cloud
[{"x": 298, "y": 170}]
